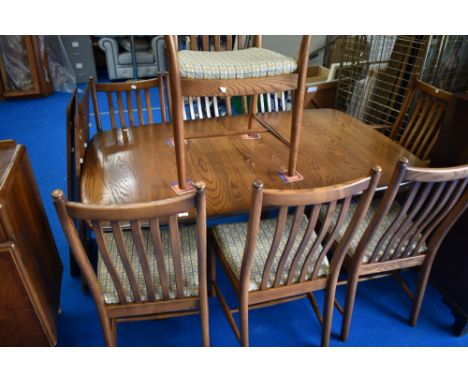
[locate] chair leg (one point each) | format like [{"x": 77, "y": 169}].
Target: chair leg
[
  {"x": 328, "y": 315},
  {"x": 110, "y": 332},
  {"x": 420, "y": 291},
  {"x": 204, "y": 316},
  {"x": 253, "y": 109},
  {"x": 244, "y": 323},
  {"x": 349, "y": 304}
]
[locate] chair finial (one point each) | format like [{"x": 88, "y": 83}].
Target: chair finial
[
  {"x": 57, "y": 195},
  {"x": 257, "y": 184},
  {"x": 403, "y": 161},
  {"x": 376, "y": 169},
  {"x": 199, "y": 186}
]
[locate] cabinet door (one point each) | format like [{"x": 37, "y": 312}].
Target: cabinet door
[
  {"x": 23, "y": 69},
  {"x": 19, "y": 321}
]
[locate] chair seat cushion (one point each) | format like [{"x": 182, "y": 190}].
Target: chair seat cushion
[
  {"x": 231, "y": 240},
  {"x": 236, "y": 64},
  {"x": 189, "y": 256},
  {"x": 141, "y": 58},
  {"x": 381, "y": 230}
]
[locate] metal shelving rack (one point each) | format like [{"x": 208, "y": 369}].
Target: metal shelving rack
[
  {"x": 374, "y": 74},
  {"x": 374, "y": 71}
]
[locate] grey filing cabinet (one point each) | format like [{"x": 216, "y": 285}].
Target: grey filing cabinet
[{"x": 80, "y": 53}]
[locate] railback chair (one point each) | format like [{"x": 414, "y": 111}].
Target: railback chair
[
  {"x": 420, "y": 119},
  {"x": 211, "y": 106},
  {"x": 72, "y": 181},
  {"x": 406, "y": 232},
  {"x": 81, "y": 137},
  {"x": 127, "y": 98},
  {"x": 211, "y": 74},
  {"x": 284, "y": 258},
  {"x": 78, "y": 136},
  {"x": 71, "y": 111},
  {"x": 147, "y": 271}
]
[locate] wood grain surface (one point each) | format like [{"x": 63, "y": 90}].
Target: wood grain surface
[
  {"x": 138, "y": 164},
  {"x": 30, "y": 266}
]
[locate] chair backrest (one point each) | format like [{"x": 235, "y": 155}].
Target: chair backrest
[
  {"x": 70, "y": 128},
  {"x": 420, "y": 118},
  {"x": 80, "y": 137},
  {"x": 220, "y": 43},
  {"x": 105, "y": 220},
  {"x": 429, "y": 202},
  {"x": 330, "y": 198},
  {"x": 128, "y": 98}
]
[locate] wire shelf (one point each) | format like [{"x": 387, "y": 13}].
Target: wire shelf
[{"x": 374, "y": 74}]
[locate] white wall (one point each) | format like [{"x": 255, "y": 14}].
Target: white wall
[{"x": 289, "y": 45}]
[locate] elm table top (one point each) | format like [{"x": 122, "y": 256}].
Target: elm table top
[{"x": 138, "y": 164}]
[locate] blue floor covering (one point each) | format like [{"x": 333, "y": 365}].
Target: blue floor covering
[{"x": 381, "y": 311}]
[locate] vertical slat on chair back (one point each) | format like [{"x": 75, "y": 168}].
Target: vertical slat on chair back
[
  {"x": 272, "y": 102},
  {"x": 112, "y": 227},
  {"x": 130, "y": 104},
  {"x": 426, "y": 106},
  {"x": 210, "y": 107},
  {"x": 431, "y": 197},
  {"x": 297, "y": 263},
  {"x": 216, "y": 42}
]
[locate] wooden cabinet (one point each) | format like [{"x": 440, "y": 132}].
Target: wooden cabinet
[
  {"x": 320, "y": 96},
  {"x": 30, "y": 267},
  {"x": 23, "y": 67},
  {"x": 450, "y": 269}
]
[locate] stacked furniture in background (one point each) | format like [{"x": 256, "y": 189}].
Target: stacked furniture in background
[
  {"x": 374, "y": 73},
  {"x": 80, "y": 53},
  {"x": 150, "y": 56},
  {"x": 24, "y": 69}
]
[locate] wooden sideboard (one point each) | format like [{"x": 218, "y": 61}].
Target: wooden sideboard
[{"x": 30, "y": 267}]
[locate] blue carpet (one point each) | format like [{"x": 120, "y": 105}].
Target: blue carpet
[{"x": 381, "y": 311}]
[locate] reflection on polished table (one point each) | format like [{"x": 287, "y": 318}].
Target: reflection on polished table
[{"x": 138, "y": 164}]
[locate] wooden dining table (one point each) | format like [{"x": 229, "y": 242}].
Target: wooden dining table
[{"x": 138, "y": 164}]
